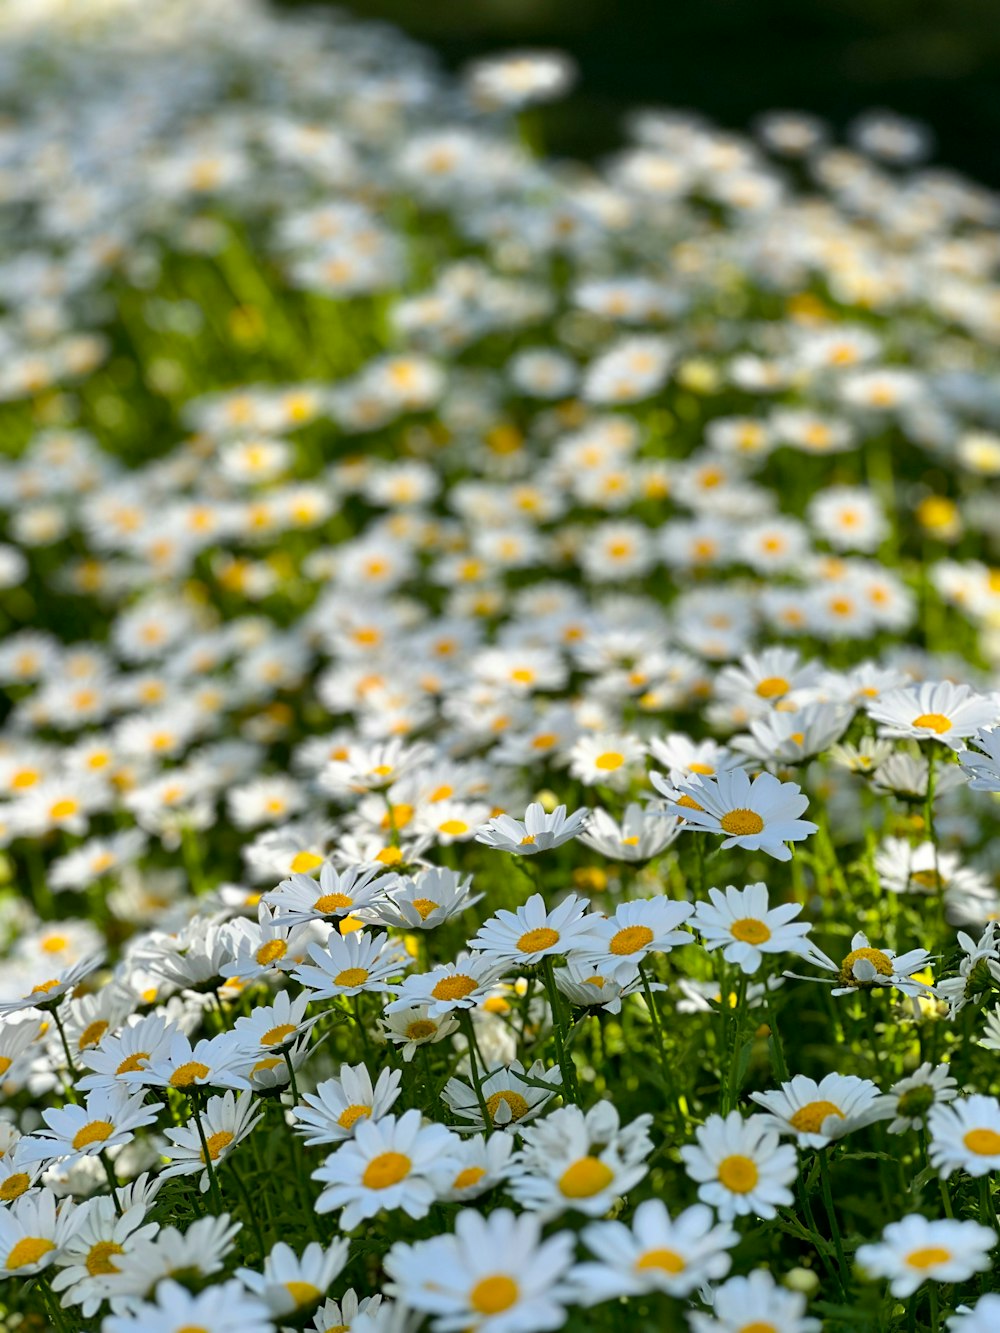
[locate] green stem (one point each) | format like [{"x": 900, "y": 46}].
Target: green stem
[
  {"x": 252, "y": 1215},
  {"x": 654, "y": 1015},
  {"x": 465, "y": 1019},
  {"x": 213, "y": 1183},
  {"x": 838, "y": 1244},
  {"x": 810, "y": 1216},
  {"x": 52, "y": 1303},
  {"x": 112, "y": 1182},
  {"x": 291, "y": 1075},
  {"x": 565, "y": 1063},
  {"x": 74, "y": 1072}
]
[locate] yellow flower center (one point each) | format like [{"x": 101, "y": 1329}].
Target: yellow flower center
[
  {"x": 270, "y": 952},
  {"x": 533, "y": 941},
  {"x": 98, "y": 1261},
  {"x": 453, "y": 828},
  {"x": 420, "y": 1029},
  {"x": 388, "y": 1168},
  {"x": 133, "y": 1062},
  {"x": 274, "y": 1036},
  {"x": 351, "y": 976},
  {"x": 630, "y": 940},
  {"x": 750, "y": 930},
  {"x": 928, "y": 879},
  {"x": 773, "y": 687},
  {"x": 397, "y": 816},
  {"x": 668, "y": 1261},
  {"x": 472, "y": 1175},
  {"x": 5, "y": 1064},
  {"x": 186, "y": 1074},
  {"x": 985, "y": 1142},
  {"x": 585, "y": 1178},
  {"x": 94, "y": 1132},
  {"x": 28, "y": 1251},
  {"x": 303, "y": 1293},
  {"x": 64, "y": 809},
  {"x": 303, "y": 862},
  {"x": 517, "y": 1105},
  {"x": 739, "y": 1174},
  {"x": 689, "y": 803},
  {"x": 424, "y": 906},
  {"x": 742, "y": 823},
  {"x": 91, "y": 1034},
  {"x": 706, "y": 770},
  {"x": 759, "y": 1326},
  {"x": 492, "y": 1295},
  {"x": 14, "y": 1186},
  {"x": 54, "y": 944},
  {"x": 351, "y": 1114},
  {"x": 936, "y": 722},
  {"x": 44, "y": 987},
  {"x": 332, "y": 902},
  {"x": 389, "y": 856},
  {"x": 930, "y": 1256},
  {"x": 881, "y": 962},
  {"x": 609, "y": 761},
  {"x": 456, "y": 987},
  {"x": 809, "y": 1119},
  {"x": 216, "y": 1144}
]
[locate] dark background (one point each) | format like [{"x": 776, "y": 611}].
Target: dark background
[{"x": 938, "y": 60}]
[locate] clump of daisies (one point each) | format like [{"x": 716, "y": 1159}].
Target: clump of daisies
[{"x": 501, "y": 727}]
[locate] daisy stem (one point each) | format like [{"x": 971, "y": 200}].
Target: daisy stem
[
  {"x": 291, "y": 1075},
  {"x": 112, "y": 1182},
  {"x": 51, "y": 1302},
  {"x": 191, "y": 854},
  {"x": 735, "y": 1015},
  {"x": 699, "y": 856},
  {"x": 929, "y": 805},
  {"x": 810, "y": 1216},
  {"x": 252, "y": 1215},
  {"x": 565, "y": 1062},
  {"x": 361, "y": 1025},
  {"x": 935, "y": 1324},
  {"x": 465, "y": 1019},
  {"x": 74, "y": 1072},
  {"x": 987, "y": 1211},
  {"x": 213, "y": 1183},
  {"x": 654, "y": 1017},
  {"x": 945, "y": 1196},
  {"x": 838, "y": 1244},
  {"x": 777, "y": 1049}
]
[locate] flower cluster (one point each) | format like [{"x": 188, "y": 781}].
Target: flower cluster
[{"x": 500, "y": 725}]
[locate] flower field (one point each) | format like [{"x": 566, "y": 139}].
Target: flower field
[{"x": 500, "y": 725}]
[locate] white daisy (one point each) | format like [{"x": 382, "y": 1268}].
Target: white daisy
[
  {"x": 494, "y": 1274},
  {"x": 656, "y": 1253},
  {"x": 388, "y": 1164},
  {"x": 916, "y": 1250},
  {"x": 817, "y": 1113},
  {"x": 331, "y": 1113},
  {"x": 741, "y": 923},
  {"x": 740, "y": 1166},
  {"x": 759, "y": 816}
]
